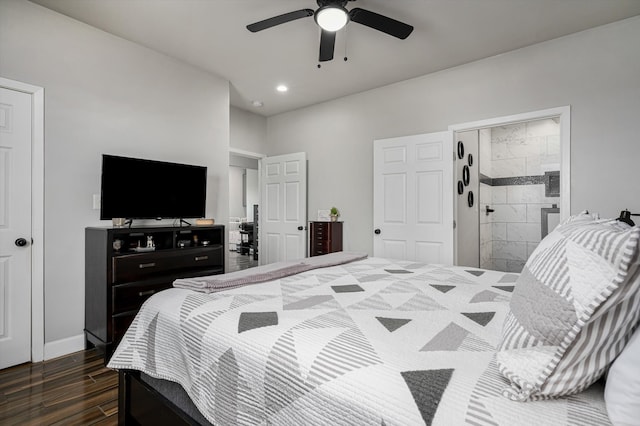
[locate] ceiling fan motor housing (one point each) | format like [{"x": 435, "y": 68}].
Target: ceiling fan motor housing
[{"x": 341, "y": 3}]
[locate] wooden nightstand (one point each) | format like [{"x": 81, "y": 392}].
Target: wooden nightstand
[{"x": 326, "y": 237}]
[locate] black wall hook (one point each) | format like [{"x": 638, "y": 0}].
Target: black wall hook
[{"x": 625, "y": 216}]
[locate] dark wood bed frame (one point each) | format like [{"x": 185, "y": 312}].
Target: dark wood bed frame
[{"x": 140, "y": 404}]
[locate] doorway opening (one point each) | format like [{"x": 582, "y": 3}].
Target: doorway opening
[
  {"x": 518, "y": 173},
  {"x": 244, "y": 211}
]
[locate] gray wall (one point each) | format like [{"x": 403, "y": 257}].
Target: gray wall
[
  {"x": 105, "y": 95},
  {"x": 236, "y": 206},
  {"x": 595, "y": 71},
  {"x": 248, "y": 131}
]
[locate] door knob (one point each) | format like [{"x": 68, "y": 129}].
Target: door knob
[
  {"x": 489, "y": 210},
  {"x": 21, "y": 242},
  {"x": 377, "y": 232},
  {"x": 300, "y": 228}
]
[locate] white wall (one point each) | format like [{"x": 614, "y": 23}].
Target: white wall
[
  {"x": 236, "y": 207},
  {"x": 252, "y": 192},
  {"x": 239, "y": 206},
  {"x": 248, "y": 134},
  {"x": 596, "y": 72},
  {"x": 248, "y": 131},
  {"x": 105, "y": 95}
]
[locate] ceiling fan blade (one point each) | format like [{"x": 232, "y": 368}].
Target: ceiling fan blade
[
  {"x": 280, "y": 19},
  {"x": 327, "y": 45},
  {"x": 380, "y": 22}
]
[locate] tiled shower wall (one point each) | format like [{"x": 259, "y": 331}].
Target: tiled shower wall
[
  {"x": 486, "y": 199},
  {"x": 517, "y": 158}
]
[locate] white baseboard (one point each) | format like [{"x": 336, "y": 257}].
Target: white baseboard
[{"x": 63, "y": 346}]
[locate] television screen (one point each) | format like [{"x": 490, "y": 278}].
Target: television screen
[{"x": 134, "y": 188}]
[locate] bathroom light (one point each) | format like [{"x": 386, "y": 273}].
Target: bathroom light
[
  {"x": 282, "y": 88},
  {"x": 331, "y": 18}
]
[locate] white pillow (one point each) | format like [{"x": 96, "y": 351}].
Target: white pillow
[{"x": 622, "y": 390}]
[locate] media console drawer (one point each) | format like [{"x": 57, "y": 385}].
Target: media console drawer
[
  {"x": 131, "y": 296},
  {"x": 133, "y": 267}
]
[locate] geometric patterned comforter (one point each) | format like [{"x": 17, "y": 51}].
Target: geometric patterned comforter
[{"x": 373, "y": 342}]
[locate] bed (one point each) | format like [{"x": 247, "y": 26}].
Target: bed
[
  {"x": 345, "y": 339},
  {"x": 374, "y": 341}
]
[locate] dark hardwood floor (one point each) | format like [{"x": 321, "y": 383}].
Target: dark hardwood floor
[
  {"x": 238, "y": 262},
  {"x": 76, "y": 389}
]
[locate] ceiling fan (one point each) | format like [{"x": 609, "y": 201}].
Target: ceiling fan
[{"x": 331, "y": 16}]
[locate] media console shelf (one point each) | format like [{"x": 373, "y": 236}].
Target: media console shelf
[{"x": 125, "y": 266}]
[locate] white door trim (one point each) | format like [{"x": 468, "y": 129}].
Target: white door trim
[
  {"x": 248, "y": 154},
  {"x": 37, "y": 218},
  {"x": 564, "y": 114}
]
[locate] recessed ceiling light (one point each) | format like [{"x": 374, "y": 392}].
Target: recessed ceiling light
[
  {"x": 282, "y": 88},
  {"x": 257, "y": 104}
]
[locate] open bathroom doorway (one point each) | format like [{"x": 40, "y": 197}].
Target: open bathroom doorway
[{"x": 512, "y": 186}]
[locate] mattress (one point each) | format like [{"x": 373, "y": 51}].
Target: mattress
[{"x": 375, "y": 341}]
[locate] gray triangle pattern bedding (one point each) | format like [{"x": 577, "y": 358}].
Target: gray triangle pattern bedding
[{"x": 374, "y": 342}]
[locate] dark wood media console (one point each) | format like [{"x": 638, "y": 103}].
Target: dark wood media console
[{"x": 121, "y": 273}]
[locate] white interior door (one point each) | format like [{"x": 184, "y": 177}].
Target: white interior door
[
  {"x": 413, "y": 198},
  {"x": 15, "y": 227},
  {"x": 283, "y": 211}
]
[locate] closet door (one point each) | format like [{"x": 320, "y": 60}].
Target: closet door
[
  {"x": 15, "y": 227},
  {"x": 413, "y": 198}
]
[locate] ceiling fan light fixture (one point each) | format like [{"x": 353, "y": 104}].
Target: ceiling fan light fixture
[{"x": 331, "y": 18}]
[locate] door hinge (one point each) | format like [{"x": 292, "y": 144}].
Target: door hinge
[{"x": 454, "y": 224}]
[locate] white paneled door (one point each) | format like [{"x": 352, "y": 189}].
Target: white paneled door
[
  {"x": 15, "y": 227},
  {"x": 283, "y": 211},
  {"x": 413, "y": 198}
]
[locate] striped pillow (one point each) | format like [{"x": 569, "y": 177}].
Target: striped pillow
[{"x": 572, "y": 310}]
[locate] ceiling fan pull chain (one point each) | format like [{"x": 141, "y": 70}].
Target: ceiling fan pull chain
[{"x": 345, "y": 44}]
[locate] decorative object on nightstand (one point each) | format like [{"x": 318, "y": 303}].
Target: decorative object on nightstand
[
  {"x": 324, "y": 215},
  {"x": 326, "y": 237},
  {"x": 334, "y": 214}
]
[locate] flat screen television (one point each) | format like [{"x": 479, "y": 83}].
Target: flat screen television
[{"x": 134, "y": 188}]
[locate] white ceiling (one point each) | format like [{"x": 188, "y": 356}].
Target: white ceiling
[{"x": 211, "y": 35}]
